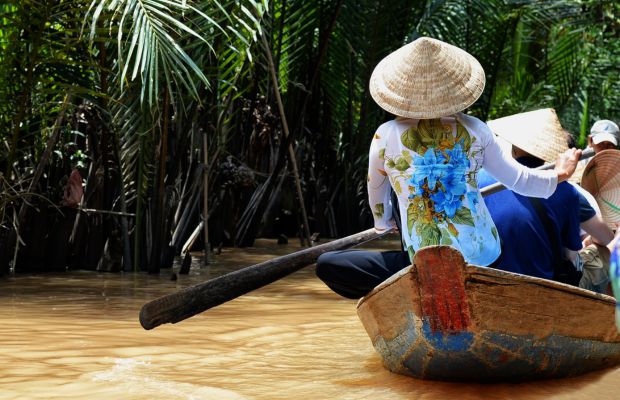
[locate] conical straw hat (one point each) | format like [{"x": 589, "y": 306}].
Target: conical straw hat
[
  {"x": 537, "y": 132},
  {"x": 602, "y": 178},
  {"x": 427, "y": 78}
]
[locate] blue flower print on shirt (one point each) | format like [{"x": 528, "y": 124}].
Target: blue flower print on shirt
[
  {"x": 457, "y": 156},
  {"x": 431, "y": 166},
  {"x": 442, "y": 203},
  {"x": 446, "y": 203},
  {"x": 454, "y": 182}
]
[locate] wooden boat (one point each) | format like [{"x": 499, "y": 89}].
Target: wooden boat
[{"x": 444, "y": 320}]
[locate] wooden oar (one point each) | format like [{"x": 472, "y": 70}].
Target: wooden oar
[{"x": 186, "y": 303}]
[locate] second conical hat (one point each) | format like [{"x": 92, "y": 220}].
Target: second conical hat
[{"x": 538, "y": 132}]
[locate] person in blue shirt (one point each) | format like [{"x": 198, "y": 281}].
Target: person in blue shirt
[
  {"x": 526, "y": 246},
  {"x": 525, "y": 224}
]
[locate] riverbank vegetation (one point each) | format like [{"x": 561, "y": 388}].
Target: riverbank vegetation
[{"x": 252, "y": 115}]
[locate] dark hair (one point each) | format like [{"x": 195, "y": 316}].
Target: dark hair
[{"x": 570, "y": 140}]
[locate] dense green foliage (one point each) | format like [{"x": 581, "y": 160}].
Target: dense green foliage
[{"x": 125, "y": 90}]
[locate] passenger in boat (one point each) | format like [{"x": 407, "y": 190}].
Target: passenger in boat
[
  {"x": 601, "y": 179},
  {"x": 541, "y": 237},
  {"x": 593, "y": 258},
  {"x": 429, "y": 155},
  {"x": 604, "y": 135}
]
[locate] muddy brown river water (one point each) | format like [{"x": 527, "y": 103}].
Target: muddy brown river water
[{"x": 77, "y": 336}]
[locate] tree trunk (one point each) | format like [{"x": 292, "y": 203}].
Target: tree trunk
[{"x": 205, "y": 198}]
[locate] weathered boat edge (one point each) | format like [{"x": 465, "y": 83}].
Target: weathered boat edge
[{"x": 485, "y": 271}]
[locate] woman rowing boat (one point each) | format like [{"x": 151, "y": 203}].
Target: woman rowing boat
[{"x": 429, "y": 155}]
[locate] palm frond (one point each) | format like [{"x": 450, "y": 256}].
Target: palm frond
[
  {"x": 137, "y": 145},
  {"x": 149, "y": 35},
  {"x": 563, "y": 67}
]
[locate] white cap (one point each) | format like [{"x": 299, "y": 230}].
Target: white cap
[{"x": 605, "y": 131}]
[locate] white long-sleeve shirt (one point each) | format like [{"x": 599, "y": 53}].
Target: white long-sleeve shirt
[{"x": 432, "y": 167}]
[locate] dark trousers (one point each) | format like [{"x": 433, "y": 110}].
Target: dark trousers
[{"x": 354, "y": 273}]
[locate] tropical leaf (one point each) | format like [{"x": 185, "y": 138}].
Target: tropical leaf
[
  {"x": 148, "y": 39},
  {"x": 412, "y": 214},
  {"x": 463, "y": 216},
  {"x": 411, "y": 252},
  {"x": 445, "y": 237},
  {"x": 407, "y": 156},
  {"x": 563, "y": 66},
  {"x": 429, "y": 234},
  {"x": 464, "y": 137},
  {"x": 413, "y": 140},
  {"x": 402, "y": 164},
  {"x": 152, "y": 40},
  {"x": 432, "y": 132},
  {"x": 397, "y": 188},
  {"x": 452, "y": 229},
  {"x": 379, "y": 210}
]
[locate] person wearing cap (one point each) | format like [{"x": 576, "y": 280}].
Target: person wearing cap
[
  {"x": 593, "y": 258},
  {"x": 429, "y": 155},
  {"x": 603, "y": 135},
  {"x": 551, "y": 225}
]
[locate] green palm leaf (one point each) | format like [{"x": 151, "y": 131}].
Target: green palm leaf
[{"x": 149, "y": 37}]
